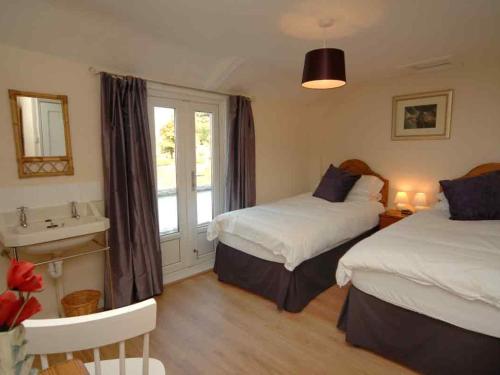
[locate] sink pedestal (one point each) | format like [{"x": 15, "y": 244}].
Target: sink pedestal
[
  {"x": 56, "y": 272},
  {"x": 55, "y": 266}
]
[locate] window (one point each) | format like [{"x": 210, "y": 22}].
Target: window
[{"x": 164, "y": 123}]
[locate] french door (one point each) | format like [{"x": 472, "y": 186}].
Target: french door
[{"x": 186, "y": 134}]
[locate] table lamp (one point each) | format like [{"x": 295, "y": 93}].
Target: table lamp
[
  {"x": 420, "y": 201},
  {"x": 401, "y": 200}
]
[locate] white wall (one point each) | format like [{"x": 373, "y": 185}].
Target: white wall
[
  {"x": 30, "y": 71},
  {"x": 281, "y": 148},
  {"x": 279, "y": 125},
  {"x": 355, "y": 122},
  {"x": 295, "y": 139}
]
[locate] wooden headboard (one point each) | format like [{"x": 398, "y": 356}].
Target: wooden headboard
[
  {"x": 356, "y": 166},
  {"x": 478, "y": 171},
  {"x": 482, "y": 169}
]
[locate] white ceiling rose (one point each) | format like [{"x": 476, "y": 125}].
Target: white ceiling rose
[{"x": 349, "y": 18}]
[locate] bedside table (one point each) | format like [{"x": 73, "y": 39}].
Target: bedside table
[{"x": 390, "y": 217}]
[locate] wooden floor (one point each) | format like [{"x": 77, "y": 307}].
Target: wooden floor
[{"x": 207, "y": 327}]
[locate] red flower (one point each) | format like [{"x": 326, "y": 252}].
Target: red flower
[
  {"x": 9, "y": 306},
  {"x": 20, "y": 277},
  {"x": 30, "y": 308}
]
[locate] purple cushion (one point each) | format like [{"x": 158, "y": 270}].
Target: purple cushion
[
  {"x": 474, "y": 198},
  {"x": 335, "y": 184}
]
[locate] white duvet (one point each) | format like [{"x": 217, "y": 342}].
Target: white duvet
[
  {"x": 300, "y": 227},
  {"x": 460, "y": 257}
]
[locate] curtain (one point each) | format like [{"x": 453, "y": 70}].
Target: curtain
[
  {"x": 240, "y": 184},
  {"x": 130, "y": 193}
]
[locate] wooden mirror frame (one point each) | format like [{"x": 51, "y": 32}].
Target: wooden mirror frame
[
  {"x": 40, "y": 166},
  {"x": 356, "y": 166}
]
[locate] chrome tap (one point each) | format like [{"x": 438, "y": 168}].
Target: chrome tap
[
  {"x": 23, "y": 221},
  {"x": 74, "y": 210}
]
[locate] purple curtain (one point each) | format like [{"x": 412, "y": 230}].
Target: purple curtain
[
  {"x": 240, "y": 184},
  {"x": 130, "y": 195}
]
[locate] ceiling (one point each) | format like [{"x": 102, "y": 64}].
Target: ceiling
[{"x": 252, "y": 46}]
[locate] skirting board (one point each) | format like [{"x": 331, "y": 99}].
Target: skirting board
[{"x": 188, "y": 272}]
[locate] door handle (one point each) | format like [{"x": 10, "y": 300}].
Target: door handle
[{"x": 193, "y": 180}]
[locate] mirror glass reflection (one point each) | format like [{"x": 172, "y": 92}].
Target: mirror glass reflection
[{"x": 42, "y": 126}]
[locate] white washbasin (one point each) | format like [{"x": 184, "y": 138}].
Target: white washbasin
[{"x": 40, "y": 238}]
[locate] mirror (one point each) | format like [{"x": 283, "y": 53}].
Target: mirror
[
  {"x": 42, "y": 126},
  {"x": 41, "y": 134}
]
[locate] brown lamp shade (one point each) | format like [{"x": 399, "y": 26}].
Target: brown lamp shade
[{"x": 324, "y": 68}]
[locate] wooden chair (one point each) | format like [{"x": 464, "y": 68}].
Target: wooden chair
[{"x": 67, "y": 335}]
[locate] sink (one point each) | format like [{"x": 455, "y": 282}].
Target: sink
[{"x": 54, "y": 236}]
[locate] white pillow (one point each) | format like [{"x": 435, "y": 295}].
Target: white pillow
[
  {"x": 442, "y": 202},
  {"x": 364, "y": 198},
  {"x": 367, "y": 188}
]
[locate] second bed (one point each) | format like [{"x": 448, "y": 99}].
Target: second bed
[{"x": 426, "y": 292}]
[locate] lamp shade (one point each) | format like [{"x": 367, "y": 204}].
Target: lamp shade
[
  {"x": 420, "y": 199},
  {"x": 401, "y": 200},
  {"x": 324, "y": 68},
  {"x": 401, "y": 197}
]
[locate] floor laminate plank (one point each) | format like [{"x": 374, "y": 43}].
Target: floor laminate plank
[{"x": 208, "y": 327}]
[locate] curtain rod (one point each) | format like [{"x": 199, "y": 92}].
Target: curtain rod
[{"x": 96, "y": 72}]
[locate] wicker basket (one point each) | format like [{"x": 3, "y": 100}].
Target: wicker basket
[{"x": 81, "y": 302}]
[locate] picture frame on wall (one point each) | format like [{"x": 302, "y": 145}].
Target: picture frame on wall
[{"x": 422, "y": 116}]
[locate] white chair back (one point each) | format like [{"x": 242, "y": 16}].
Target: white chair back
[{"x": 66, "y": 335}]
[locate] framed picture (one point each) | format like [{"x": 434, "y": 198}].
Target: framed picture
[{"x": 422, "y": 116}]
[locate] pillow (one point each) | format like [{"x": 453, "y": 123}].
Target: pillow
[
  {"x": 474, "y": 198},
  {"x": 335, "y": 184},
  {"x": 363, "y": 198},
  {"x": 367, "y": 188},
  {"x": 442, "y": 202}
]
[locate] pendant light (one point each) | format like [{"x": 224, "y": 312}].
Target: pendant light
[{"x": 324, "y": 68}]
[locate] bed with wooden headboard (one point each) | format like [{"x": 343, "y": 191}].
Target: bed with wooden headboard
[
  {"x": 426, "y": 291},
  {"x": 252, "y": 266}
]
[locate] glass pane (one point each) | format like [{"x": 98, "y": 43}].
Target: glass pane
[
  {"x": 165, "y": 169},
  {"x": 203, "y": 129}
]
